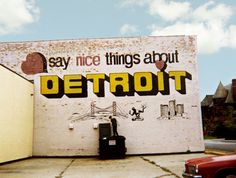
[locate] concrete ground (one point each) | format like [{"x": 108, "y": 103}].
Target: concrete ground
[{"x": 153, "y": 166}]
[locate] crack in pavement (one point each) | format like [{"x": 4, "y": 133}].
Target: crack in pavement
[
  {"x": 163, "y": 168},
  {"x": 64, "y": 170}
]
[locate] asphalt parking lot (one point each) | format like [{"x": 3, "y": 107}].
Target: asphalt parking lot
[{"x": 143, "y": 166}]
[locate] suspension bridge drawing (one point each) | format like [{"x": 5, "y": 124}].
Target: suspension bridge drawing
[{"x": 99, "y": 113}]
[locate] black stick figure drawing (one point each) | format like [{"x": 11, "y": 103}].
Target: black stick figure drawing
[
  {"x": 114, "y": 126},
  {"x": 136, "y": 113}
]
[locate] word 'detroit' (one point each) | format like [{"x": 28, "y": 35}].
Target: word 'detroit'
[{"x": 120, "y": 84}]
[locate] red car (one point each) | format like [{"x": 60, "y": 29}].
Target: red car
[{"x": 211, "y": 167}]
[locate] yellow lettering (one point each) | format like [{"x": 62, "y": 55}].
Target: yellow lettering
[
  {"x": 178, "y": 76},
  {"x": 49, "y": 84},
  {"x": 73, "y": 84},
  {"x": 146, "y": 85},
  {"x": 96, "y": 79},
  {"x": 119, "y": 79},
  {"x": 160, "y": 80},
  {"x": 121, "y": 84}
]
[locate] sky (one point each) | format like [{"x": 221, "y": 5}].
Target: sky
[{"x": 213, "y": 21}]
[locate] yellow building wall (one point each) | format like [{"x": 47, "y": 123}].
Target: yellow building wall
[{"x": 16, "y": 116}]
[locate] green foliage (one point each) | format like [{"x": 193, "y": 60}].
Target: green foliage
[
  {"x": 207, "y": 137},
  {"x": 226, "y": 128}
]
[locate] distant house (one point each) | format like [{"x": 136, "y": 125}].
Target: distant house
[{"x": 219, "y": 111}]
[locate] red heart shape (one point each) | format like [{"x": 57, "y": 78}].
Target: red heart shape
[
  {"x": 160, "y": 64},
  {"x": 33, "y": 64}
]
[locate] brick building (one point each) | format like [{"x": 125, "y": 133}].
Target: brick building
[{"x": 219, "y": 112}]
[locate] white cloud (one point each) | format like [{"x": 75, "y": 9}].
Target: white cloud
[
  {"x": 209, "y": 21},
  {"x": 232, "y": 36},
  {"x": 211, "y": 12},
  {"x": 211, "y": 37},
  {"x": 127, "y": 3},
  {"x": 127, "y": 29},
  {"x": 169, "y": 10},
  {"x": 15, "y": 14}
]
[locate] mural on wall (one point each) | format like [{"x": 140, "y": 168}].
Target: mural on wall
[
  {"x": 34, "y": 63},
  {"x": 75, "y": 85},
  {"x": 137, "y": 113},
  {"x": 103, "y": 113},
  {"x": 99, "y": 113},
  {"x": 121, "y": 84},
  {"x": 172, "y": 111}
]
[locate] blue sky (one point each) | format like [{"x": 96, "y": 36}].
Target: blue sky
[{"x": 214, "y": 23}]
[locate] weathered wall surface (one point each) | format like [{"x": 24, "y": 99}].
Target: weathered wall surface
[
  {"x": 16, "y": 111},
  {"x": 149, "y": 84}
]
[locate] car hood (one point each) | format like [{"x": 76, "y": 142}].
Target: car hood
[{"x": 197, "y": 161}]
